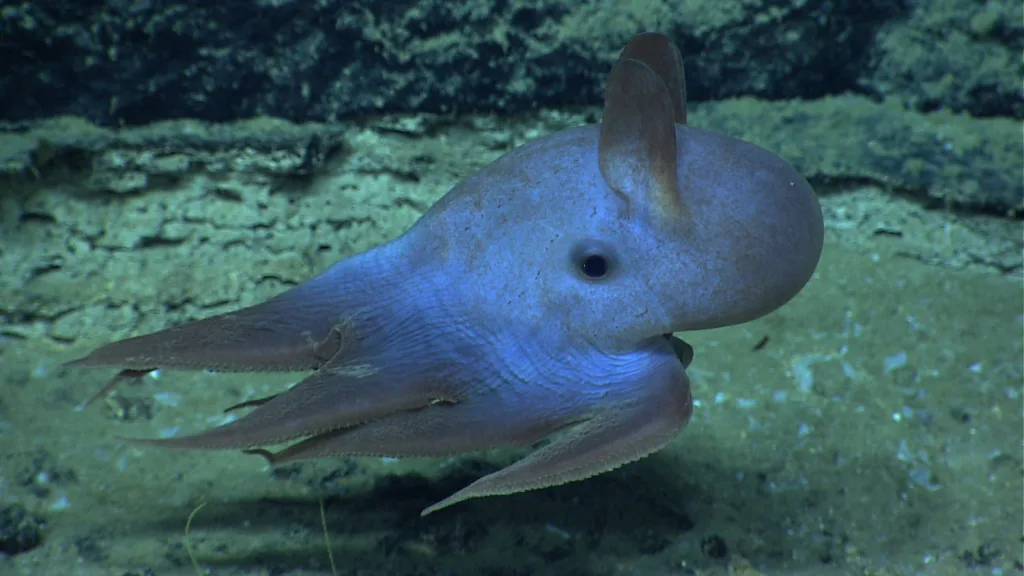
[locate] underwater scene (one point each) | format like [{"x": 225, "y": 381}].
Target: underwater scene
[{"x": 511, "y": 287}]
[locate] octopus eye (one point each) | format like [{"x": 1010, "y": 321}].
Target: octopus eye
[
  {"x": 593, "y": 260},
  {"x": 594, "y": 266}
]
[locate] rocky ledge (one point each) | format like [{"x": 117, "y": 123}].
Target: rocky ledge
[{"x": 132, "y": 62}]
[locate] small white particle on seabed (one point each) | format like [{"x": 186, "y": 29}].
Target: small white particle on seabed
[
  {"x": 167, "y": 398},
  {"x": 61, "y": 503},
  {"x": 894, "y": 362}
]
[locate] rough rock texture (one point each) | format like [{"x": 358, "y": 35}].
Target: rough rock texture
[
  {"x": 957, "y": 54},
  {"x": 137, "y": 61},
  {"x": 948, "y": 160}
]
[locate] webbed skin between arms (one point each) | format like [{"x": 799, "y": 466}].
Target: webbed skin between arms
[{"x": 536, "y": 299}]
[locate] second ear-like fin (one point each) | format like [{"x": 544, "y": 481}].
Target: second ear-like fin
[
  {"x": 637, "y": 145},
  {"x": 662, "y": 56}
]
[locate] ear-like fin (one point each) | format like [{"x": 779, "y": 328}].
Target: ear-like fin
[
  {"x": 637, "y": 146},
  {"x": 661, "y": 55}
]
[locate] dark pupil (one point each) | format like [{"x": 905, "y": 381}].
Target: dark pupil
[{"x": 594, "y": 266}]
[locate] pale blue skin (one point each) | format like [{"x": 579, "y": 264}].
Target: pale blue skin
[{"x": 477, "y": 327}]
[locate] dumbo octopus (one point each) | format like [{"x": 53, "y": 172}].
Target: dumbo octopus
[{"x": 537, "y": 299}]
